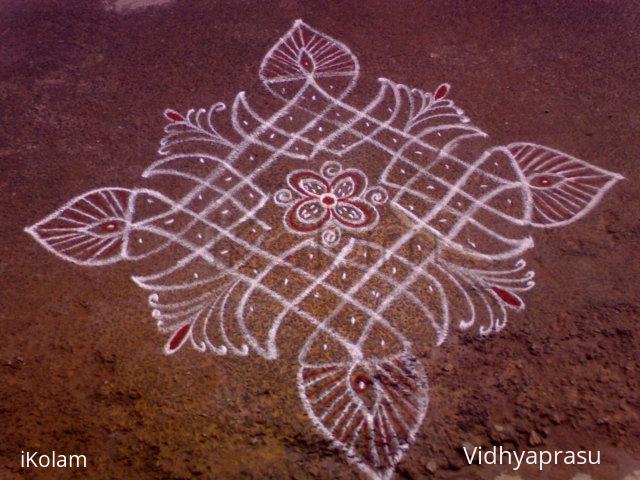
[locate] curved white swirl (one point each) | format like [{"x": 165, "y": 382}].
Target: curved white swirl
[
  {"x": 330, "y": 236},
  {"x": 283, "y": 198}
]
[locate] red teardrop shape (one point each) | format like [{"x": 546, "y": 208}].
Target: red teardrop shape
[
  {"x": 507, "y": 297},
  {"x": 178, "y": 337},
  {"x": 173, "y": 116},
  {"x": 545, "y": 180},
  {"x": 306, "y": 62},
  {"x": 441, "y": 91},
  {"x": 108, "y": 228},
  {"x": 362, "y": 385}
]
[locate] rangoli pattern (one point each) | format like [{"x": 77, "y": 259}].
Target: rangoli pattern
[{"x": 343, "y": 220}]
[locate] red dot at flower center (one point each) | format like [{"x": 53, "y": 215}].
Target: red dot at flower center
[{"x": 328, "y": 200}]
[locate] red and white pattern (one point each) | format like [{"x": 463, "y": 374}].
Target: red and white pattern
[
  {"x": 330, "y": 201},
  {"x": 306, "y": 54},
  {"x": 281, "y": 220},
  {"x": 372, "y": 409}
]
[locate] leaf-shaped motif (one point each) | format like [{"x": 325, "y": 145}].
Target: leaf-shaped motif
[
  {"x": 561, "y": 188},
  {"x": 371, "y": 410},
  {"x": 90, "y": 229},
  {"x": 305, "y": 54},
  {"x": 483, "y": 297},
  {"x": 206, "y": 319},
  {"x": 196, "y": 126}
]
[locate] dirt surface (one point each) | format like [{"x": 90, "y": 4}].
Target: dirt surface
[{"x": 82, "y": 91}]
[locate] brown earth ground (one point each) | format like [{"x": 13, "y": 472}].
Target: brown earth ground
[{"x": 82, "y": 89}]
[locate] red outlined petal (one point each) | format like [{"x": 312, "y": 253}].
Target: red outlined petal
[
  {"x": 308, "y": 184},
  {"x": 349, "y": 184},
  {"x": 307, "y": 215},
  {"x": 354, "y": 213}
]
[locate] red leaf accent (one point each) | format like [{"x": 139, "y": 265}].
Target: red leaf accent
[
  {"x": 173, "y": 116},
  {"x": 507, "y": 297},
  {"x": 354, "y": 213},
  {"x": 441, "y": 91},
  {"x": 178, "y": 338}
]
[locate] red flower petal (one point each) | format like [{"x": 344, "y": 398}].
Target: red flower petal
[
  {"x": 354, "y": 213},
  {"x": 308, "y": 184},
  {"x": 348, "y": 184},
  {"x": 307, "y": 215}
]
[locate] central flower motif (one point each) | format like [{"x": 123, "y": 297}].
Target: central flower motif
[{"x": 330, "y": 200}]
